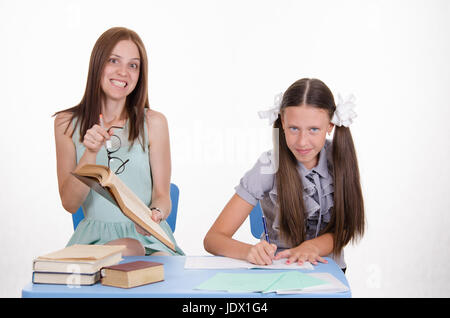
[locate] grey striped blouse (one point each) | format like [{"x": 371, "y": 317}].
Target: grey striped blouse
[{"x": 259, "y": 184}]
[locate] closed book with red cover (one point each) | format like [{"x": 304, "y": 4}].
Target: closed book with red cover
[{"x": 132, "y": 274}]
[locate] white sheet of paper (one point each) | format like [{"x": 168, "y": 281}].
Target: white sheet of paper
[{"x": 220, "y": 262}]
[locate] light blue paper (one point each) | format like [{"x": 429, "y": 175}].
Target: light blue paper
[
  {"x": 260, "y": 282},
  {"x": 294, "y": 280},
  {"x": 231, "y": 282}
]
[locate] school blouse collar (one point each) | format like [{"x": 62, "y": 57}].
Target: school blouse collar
[{"x": 322, "y": 168}]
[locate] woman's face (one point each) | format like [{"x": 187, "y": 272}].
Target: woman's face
[
  {"x": 305, "y": 128},
  {"x": 121, "y": 72}
]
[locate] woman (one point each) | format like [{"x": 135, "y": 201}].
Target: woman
[{"x": 115, "y": 109}]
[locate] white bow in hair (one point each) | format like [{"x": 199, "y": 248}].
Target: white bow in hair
[
  {"x": 344, "y": 113},
  {"x": 272, "y": 114}
]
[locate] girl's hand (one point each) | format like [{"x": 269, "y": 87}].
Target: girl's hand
[
  {"x": 305, "y": 252},
  {"x": 261, "y": 253},
  {"x": 95, "y": 138}
]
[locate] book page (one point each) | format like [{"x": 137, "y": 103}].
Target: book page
[
  {"x": 138, "y": 211},
  {"x": 99, "y": 172}
]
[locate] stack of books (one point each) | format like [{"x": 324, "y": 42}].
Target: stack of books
[{"x": 75, "y": 265}]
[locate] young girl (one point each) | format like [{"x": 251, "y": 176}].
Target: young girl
[
  {"x": 308, "y": 188},
  {"x": 113, "y": 126}
]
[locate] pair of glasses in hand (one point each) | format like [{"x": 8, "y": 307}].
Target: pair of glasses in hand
[{"x": 116, "y": 164}]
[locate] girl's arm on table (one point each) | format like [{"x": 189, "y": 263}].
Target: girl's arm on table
[{"x": 219, "y": 241}]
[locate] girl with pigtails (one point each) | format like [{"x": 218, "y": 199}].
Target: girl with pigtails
[{"x": 308, "y": 186}]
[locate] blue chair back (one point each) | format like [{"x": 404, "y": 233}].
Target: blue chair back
[
  {"x": 172, "y": 219},
  {"x": 77, "y": 217},
  {"x": 256, "y": 224},
  {"x": 174, "y": 195}
]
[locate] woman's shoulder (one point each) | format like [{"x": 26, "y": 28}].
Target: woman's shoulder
[
  {"x": 155, "y": 118},
  {"x": 158, "y": 128},
  {"x": 63, "y": 122}
]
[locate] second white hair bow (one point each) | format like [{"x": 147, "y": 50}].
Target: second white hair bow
[
  {"x": 344, "y": 113},
  {"x": 272, "y": 114}
]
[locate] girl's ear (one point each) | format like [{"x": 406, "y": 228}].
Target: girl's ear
[{"x": 330, "y": 128}]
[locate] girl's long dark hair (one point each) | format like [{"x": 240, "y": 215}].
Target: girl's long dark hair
[
  {"x": 347, "y": 220},
  {"x": 87, "y": 112}
]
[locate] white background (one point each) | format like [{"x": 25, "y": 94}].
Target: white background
[{"x": 212, "y": 66}]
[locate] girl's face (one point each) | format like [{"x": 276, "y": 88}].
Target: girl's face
[
  {"x": 121, "y": 72},
  {"x": 305, "y": 128}
]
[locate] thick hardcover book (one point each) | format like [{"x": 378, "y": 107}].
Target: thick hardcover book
[
  {"x": 132, "y": 274},
  {"x": 106, "y": 183}
]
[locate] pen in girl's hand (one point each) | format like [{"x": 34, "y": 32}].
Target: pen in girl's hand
[{"x": 265, "y": 229}]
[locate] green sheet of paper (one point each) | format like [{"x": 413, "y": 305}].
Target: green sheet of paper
[
  {"x": 239, "y": 282},
  {"x": 294, "y": 280},
  {"x": 259, "y": 282}
]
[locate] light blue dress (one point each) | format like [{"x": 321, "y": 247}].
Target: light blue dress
[{"x": 103, "y": 221}]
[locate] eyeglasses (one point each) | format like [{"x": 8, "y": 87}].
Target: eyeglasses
[{"x": 113, "y": 145}]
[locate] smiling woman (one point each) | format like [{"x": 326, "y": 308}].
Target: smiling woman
[
  {"x": 116, "y": 96},
  {"x": 121, "y": 71},
  {"x": 108, "y": 51}
]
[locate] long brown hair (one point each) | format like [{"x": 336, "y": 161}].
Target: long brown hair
[
  {"x": 87, "y": 112},
  {"x": 347, "y": 219}
]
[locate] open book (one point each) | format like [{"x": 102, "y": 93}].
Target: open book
[{"x": 102, "y": 180}]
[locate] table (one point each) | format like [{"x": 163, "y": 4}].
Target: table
[{"x": 178, "y": 283}]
